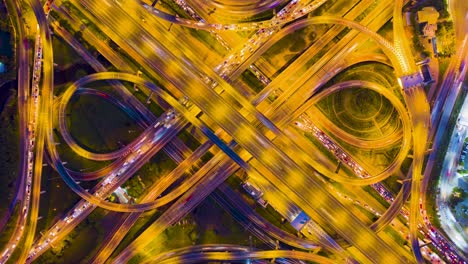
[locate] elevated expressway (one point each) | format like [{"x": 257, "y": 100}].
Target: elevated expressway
[
  {"x": 26, "y": 133},
  {"x": 399, "y": 42},
  {"x": 114, "y": 76},
  {"x": 247, "y": 143},
  {"x": 232, "y": 10},
  {"x": 238, "y": 205},
  {"x": 263, "y": 226},
  {"x": 42, "y": 114},
  {"x": 419, "y": 112},
  {"x": 447, "y": 94},
  {"x": 231, "y": 252},
  {"x": 277, "y": 21}
]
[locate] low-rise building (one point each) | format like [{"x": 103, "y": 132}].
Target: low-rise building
[{"x": 427, "y": 19}]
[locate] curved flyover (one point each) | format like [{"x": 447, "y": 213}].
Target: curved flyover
[
  {"x": 406, "y": 141},
  {"x": 67, "y": 137},
  {"x": 202, "y": 256},
  {"x": 165, "y": 96},
  {"x": 246, "y": 26}
]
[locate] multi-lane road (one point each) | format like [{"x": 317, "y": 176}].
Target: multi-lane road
[{"x": 242, "y": 129}]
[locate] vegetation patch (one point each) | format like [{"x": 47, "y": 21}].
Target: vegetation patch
[
  {"x": 9, "y": 149},
  {"x": 99, "y": 125}
]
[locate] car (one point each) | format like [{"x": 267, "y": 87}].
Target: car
[{"x": 188, "y": 198}]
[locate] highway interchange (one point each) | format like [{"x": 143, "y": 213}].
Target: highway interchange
[{"x": 242, "y": 129}]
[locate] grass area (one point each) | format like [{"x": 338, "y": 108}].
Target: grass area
[
  {"x": 325, "y": 7},
  {"x": 387, "y": 31},
  {"x": 357, "y": 110},
  {"x": 74, "y": 161},
  {"x": 443, "y": 65},
  {"x": 366, "y": 12},
  {"x": 153, "y": 107},
  {"x": 272, "y": 216},
  {"x": 395, "y": 236},
  {"x": 269, "y": 213},
  {"x": 392, "y": 185},
  {"x": 164, "y": 161},
  {"x": 64, "y": 55},
  {"x": 234, "y": 181},
  {"x": 322, "y": 149},
  {"x": 206, "y": 37},
  {"x": 9, "y": 149},
  {"x": 319, "y": 54},
  {"x": 252, "y": 81},
  {"x": 139, "y": 227},
  {"x": 446, "y": 39},
  {"x": 4, "y": 23},
  {"x": 374, "y": 194},
  {"x": 405, "y": 167},
  {"x": 207, "y": 224},
  {"x": 143, "y": 178},
  {"x": 341, "y": 35},
  {"x": 265, "y": 15},
  {"x": 95, "y": 30},
  {"x": 65, "y": 75},
  {"x": 368, "y": 71},
  {"x": 158, "y": 165},
  {"x": 209, "y": 40},
  {"x": 10, "y": 226},
  {"x": 291, "y": 46},
  {"x": 98, "y": 125},
  {"x": 369, "y": 215},
  {"x": 206, "y": 157},
  {"x": 79, "y": 245},
  {"x": 56, "y": 200},
  {"x": 213, "y": 225},
  {"x": 188, "y": 139},
  {"x": 364, "y": 113}
]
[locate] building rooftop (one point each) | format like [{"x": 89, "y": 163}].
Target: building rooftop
[{"x": 428, "y": 14}]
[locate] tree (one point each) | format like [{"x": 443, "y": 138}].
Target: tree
[
  {"x": 78, "y": 35},
  {"x": 457, "y": 196}
]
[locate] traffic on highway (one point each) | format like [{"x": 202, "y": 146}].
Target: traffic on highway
[{"x": 287, "y": 131}]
